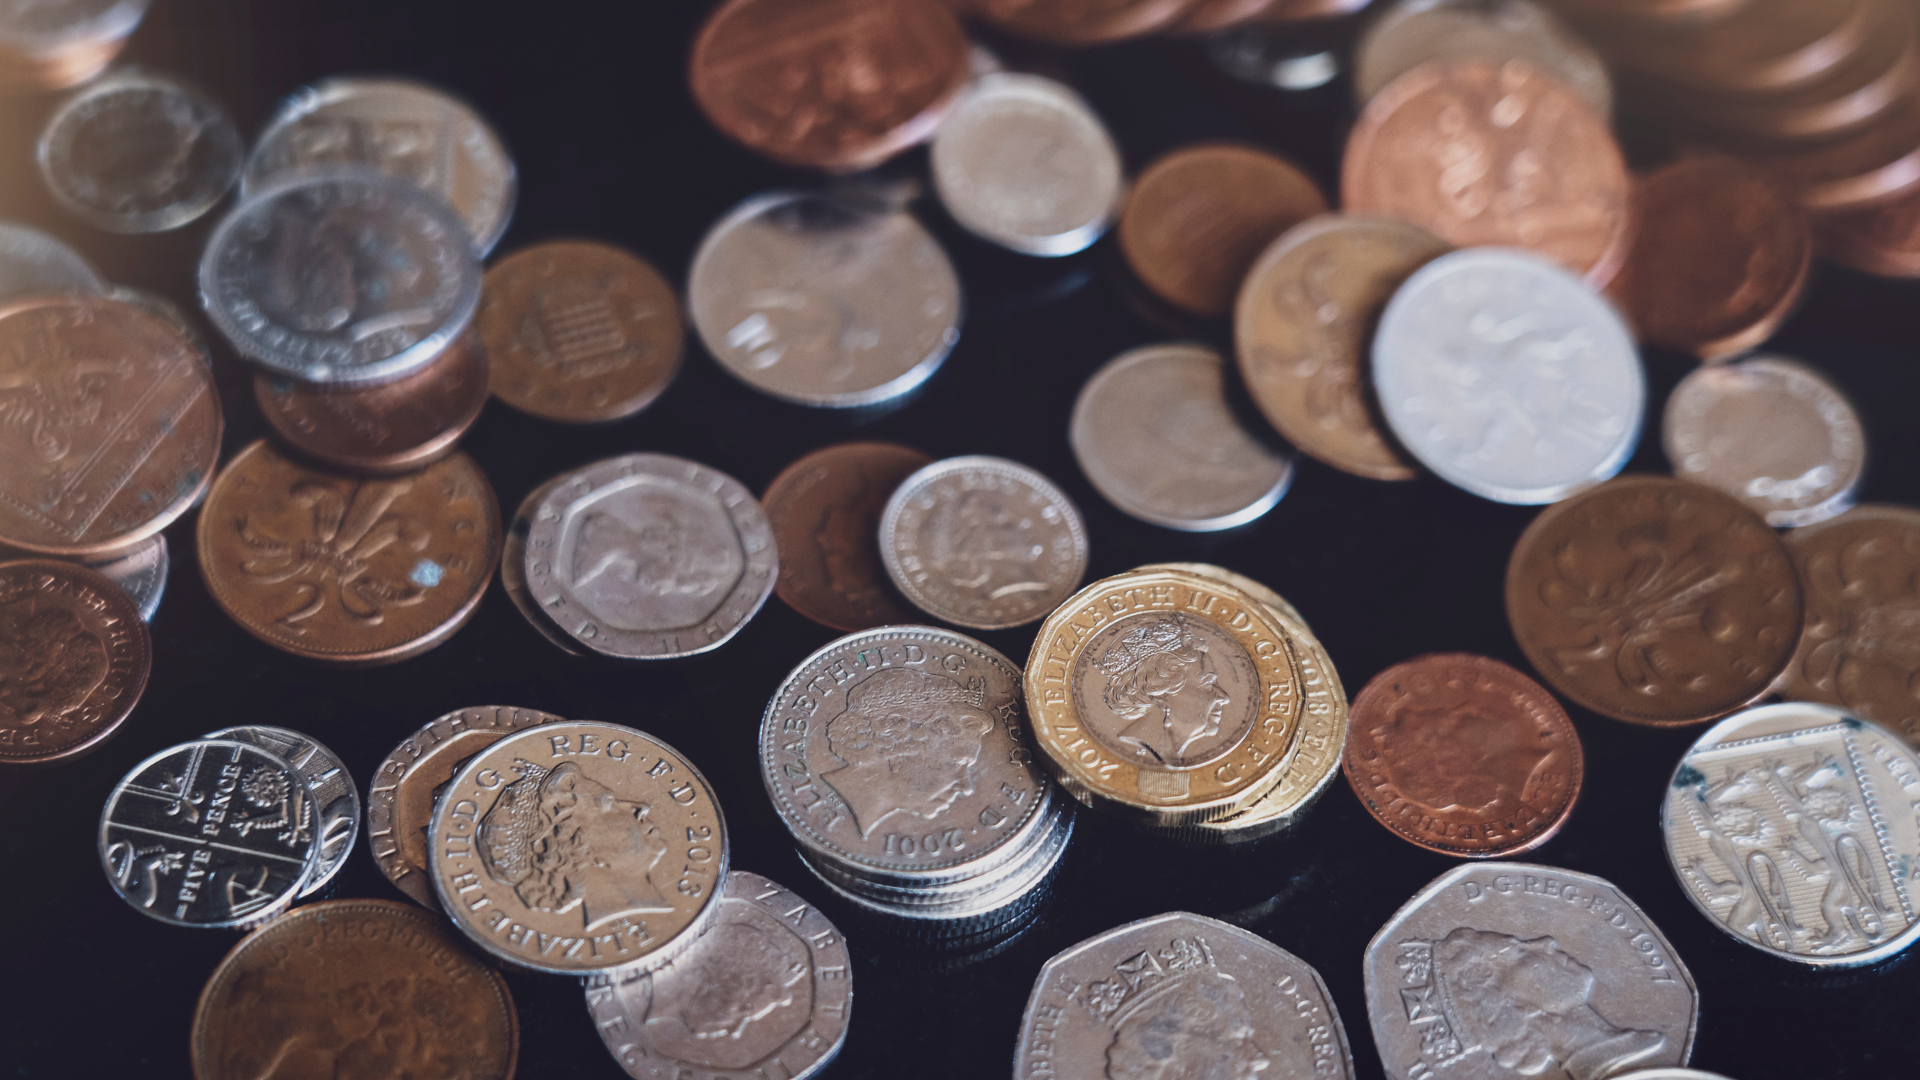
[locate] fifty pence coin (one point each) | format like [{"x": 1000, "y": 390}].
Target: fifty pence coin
[
  {"x": 765, "y": 989},
  {"x": 33, "y": 262},
  {"x": 825, "y": 513},
  {"x": 141, "y": 574},
  {"x": 578, "y": 849},
  {"x": 1503, "y": 969},
  {"x": 1179, "y": 995},
  {"x": 983, "y": 542},
  {"x": 74, "y": 660},
  {"x": 513, "y": 572},
  {"x": 1414, "y": 32},
  {"x": 336, "y": 801}
]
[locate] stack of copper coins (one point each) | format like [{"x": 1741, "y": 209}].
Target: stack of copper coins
[{"x": 54, "y": 46}]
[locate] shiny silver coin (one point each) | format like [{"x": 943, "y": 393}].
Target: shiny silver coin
[
  {"x": 33, "y": 262},
  {"x": 649, "y": 557},
  {"x": 139, "y": 152},
  {"x": 1415, "y": 32},
  {"x": 336, "y": 800},
  {"x": 1023, "y": 162},
  {"x": 215, "y": 833},
  {"x": 1179, "y": 995},
  {"x": 38, "y": 27},
  {"x": 766, "y": 989},
  {"x": 513, "y": 571},
  {"x": 1153, "y": 431},
  {"x": 1274, "y": 56},
  {"x": 1025, "y": 861},
  {"x": 141, "y": 574},
  {"x": 1771, "y": 432},
  {"x": 406, "y": 130},
  {"x": 341, "y": 277},
  {"x": 1784, "y": 824},
  {"x": 819, "y": 302},
  {"x": 1506, "y": 969},
  {"x": 983, "y": 542},
  {"x": 1508, "y": 377}
]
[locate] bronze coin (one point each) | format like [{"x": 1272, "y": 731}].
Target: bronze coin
[
  {"x": 1482, "y": 153},
  {"x": 1655, "y": 601},
  {"x": 1080, "y": 22},
  {"x": 579, "y": 332},
  {"x": 825, "y": 512},
  {"x": 1198, "y": 217},
  {"x": 829, "y": 84},
  {"x": 1879, "y": 162},
  {"x": 1463, "y": 755},
  {"x": 1286, "y": 12},
  {"x": 112, "y": 425},
  {"x": 1720, "y": 257},
  {"x": 74, "y": 659},
  {"x": 348, "y": 570},
  {"x": 354, "y": 990},
  {"x": 1883, "y": 239},
  {"x": 389, "y": 428},
  {"x": 1767, "y": 46},
  {"x": 1207, "y": 16}
]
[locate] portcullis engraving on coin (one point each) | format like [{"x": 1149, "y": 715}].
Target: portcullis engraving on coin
[
  {"x": 825, "y": 513},
  {"x": 74, "y": 659}
]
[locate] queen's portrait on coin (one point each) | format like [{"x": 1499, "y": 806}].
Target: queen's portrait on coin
[
  {"x": 1160, "y": 677},
  {"x": 1175, "y": 1016},
  {"x": 910, "y": 740},
  {"x": 733, "y": 999},
  {"x": 655, "y": 560},
  {"x": 50, "y": 663},
  {"x": 562, "y": 839}
]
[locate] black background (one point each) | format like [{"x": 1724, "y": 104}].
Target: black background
[{"x": 591, "y": 99}]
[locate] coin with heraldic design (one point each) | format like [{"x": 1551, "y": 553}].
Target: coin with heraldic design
[
  {"x": 766, "y": 989},
  {"x": 141, "y": 574},
  {"x": 1179, "y": 995},
  {"x": 74, "y": 660},
  {"x": 1655, "y": 601},
  {"x": 513, "y": 572},
  {"x": 336, "y": 801},
  {"x": 825, "y": 513},
  {"x": 354, "y": 990},
  {"x": 1079, "y": 22},
  {"x": 1463, "y": 755},
  {"x": 579, "y": 332},
  {"x": 1414, "y": 32},
  {"x": 578, "y": 848},
  {"x": 983, "y": 542},
  {"x": 1506, "y": 968},
  {"x": 343, "y": 569},
  {"x": 650, "y": 557},
  {"x": 33, "y": 262}
]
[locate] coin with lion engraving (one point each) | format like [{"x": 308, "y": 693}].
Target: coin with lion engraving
[
  {"x": 825, "y": 512},
  {"x": 74, "y": 660}
]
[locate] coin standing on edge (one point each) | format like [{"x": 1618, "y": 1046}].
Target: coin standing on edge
[
  {"x": 1414, "y": 32},
  {"x": 74, "y": 662},
  {"x": 825, "y": 513},
  {"x": 336, "y": 800},
  {"x": 33, "y": 262}
]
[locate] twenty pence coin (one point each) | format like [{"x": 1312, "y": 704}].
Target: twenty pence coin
[
  {"x": 825, "y": 513},
  {"x": 513, "y": 572},
  {"x": 74, "y": 662},
  {"x": 335, "y": 799}
]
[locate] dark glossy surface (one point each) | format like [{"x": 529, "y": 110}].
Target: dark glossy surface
[{"x": 590, "y": 96}]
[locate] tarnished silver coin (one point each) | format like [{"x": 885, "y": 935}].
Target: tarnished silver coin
[
  {"x": 342, "y": 277},
  {"x": 1792, "y": 828},
  {"x": 335, "y": 798},
  {"x": 1508, "y": 377},
  {"x": 1415, "y": 32},
  {"x": 33, "y": 262},
  {"x": 37, "y": 27},
  {"x": 1771, "y": 432},
  {"x": 819, "y": 302},
  {"x": 649, "y": 556},
  {"x": 765, "y": 989},
  {"x": 513, "y": 571},
  {"x": 983, "y": 542},
  {"x": 215, "y": 833},
  {"x": 1179, "y": 995},
  {"x": 1153, "y": 431},
  {"x": 141, "y": 574},
  {"x": 1512, "y": 969},
  {"x": 403, "y": 129},
  {"x": 139, "y": 152},
  {"x": 1023, "y": 162}
]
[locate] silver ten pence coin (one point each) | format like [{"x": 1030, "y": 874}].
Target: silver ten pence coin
[
  {"x": 819, "y": 302},
  {"x": 649, "y": 556},
  {"x": 343, "y": 277},
  {"x": 983, "y": 542},
  {"x": 33, "y": 262},
  {"x": 403, "y": 129},
  {"x": 764, "y": 990},
  {"x": 1179, "y": 995},
  {"x": 1771, "y": 432},
  {"x": 1791, "y": 828},
  {"x": 1508, "y": 377},
  {"x": 335, "y": 799},
  {"x": 1021, "y": 161},
  {"x": 1415, "y": 32},
  {"x": 1153, "y": 431},
  {"x": 1513, "y": 969}
]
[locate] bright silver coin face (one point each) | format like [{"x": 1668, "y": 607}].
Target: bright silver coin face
[
  {"x": 1021, "y": 161},
  {"x": 139, "y": 152},
  {"x": 41, "y": 26},
  {"x": 141, "y": 574},
  {"x": 336, "y": 800},
  {"x": 1415, "y": 32},
  {"x": 33, "y": 262},
  {"x": 820, "y": 303},
  {"x": 513, "y": 571},
  {"x": 1508, "y": 377}
]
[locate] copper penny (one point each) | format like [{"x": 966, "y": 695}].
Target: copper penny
[
  {"x": 1653, "y": 600},
  {"x": 1463, "y": 755},
  {"x": 389, "y": 428},
  {"x": 348, "y": 570},
  {"x": 1482, "y": 153},
  {"x": 1879, "y": 162},
  {"x": 1199, "y": 216},
  {"x": 825, "y": 511},
  {"x": 1080, "y": 22},
  {"x": 354, "y": 990},
  {"x": 74, "y": 658},
  {"x": 1719, "y": 260},
  {"x": 1207, "y": 16},
  {"x": 579, "y": 332},
  {"x": 109, "y": 425},
  {"x": 1768, "y": 46},
  {"x": 829, "y": 84},
  {"x": 1883, "y": 239}
]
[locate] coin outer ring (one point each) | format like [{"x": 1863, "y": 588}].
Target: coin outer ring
[
  {"x": 131, "y": 651},
  {"x": 513, "y": 572},
  {"x": 329, "y": 766},
  {"x": 786, "y": 503}
]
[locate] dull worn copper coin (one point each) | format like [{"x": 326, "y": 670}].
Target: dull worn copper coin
[
  {"x": 389, "y": 428},
  {"x": 1079, "y": 22},
  {"x": 825, "y": 512},
  {"x": 354, "y": 990},
  {"x": 347, "y": 570},
  {"x": 1655, "y": 601},
  {"x": 828, "y": 84},
  {"x": 74, "y": 659},
  {"x": 1463, "y": 755},
  {"x": 1881, "y": 239},
  {"x": 1199, "y": 216}
]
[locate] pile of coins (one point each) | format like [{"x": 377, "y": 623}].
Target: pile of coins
[{"x": 55, "y": 46}]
